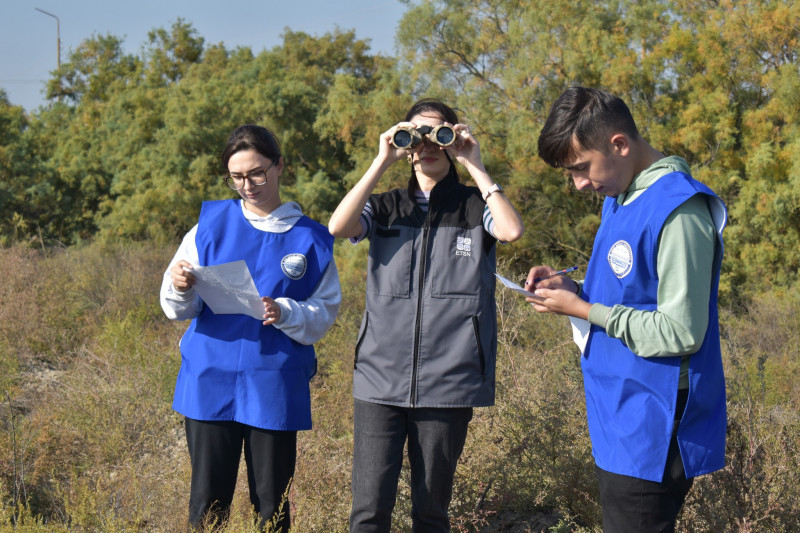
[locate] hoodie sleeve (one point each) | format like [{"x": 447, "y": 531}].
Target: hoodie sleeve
[
  {"x": 307, "y": 321},
  {"x": 181, "y": 305},
  {"x": 686, "y": 258}
]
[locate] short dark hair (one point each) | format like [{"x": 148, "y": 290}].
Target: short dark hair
[
  {"x": 251, "y": 137},
  {"x": 590, "y": 116}
]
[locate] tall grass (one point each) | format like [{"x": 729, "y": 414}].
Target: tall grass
[{"x": 88, "y": 441}]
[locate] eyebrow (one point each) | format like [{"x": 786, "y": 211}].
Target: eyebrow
[
  {"x": 574, "y": 165},
  {"x": 261, "y": 167}
]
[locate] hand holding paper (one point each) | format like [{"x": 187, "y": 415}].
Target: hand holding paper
[
  {"x": 580, "y": 327},
  {"x": 272, "y": 311},
  {"x": 181, "y": 275},
  {"x": 229, "y": 289}
]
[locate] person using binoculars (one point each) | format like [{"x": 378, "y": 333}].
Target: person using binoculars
[{"x": 425, "y": 355}]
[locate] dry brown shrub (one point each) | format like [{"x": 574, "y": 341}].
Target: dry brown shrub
[{"x": 88, "y": 440}]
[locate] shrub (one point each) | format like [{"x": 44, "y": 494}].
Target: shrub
[{"x": 88, "y": 441}]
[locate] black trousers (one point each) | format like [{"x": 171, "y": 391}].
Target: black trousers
[
  {"x": 215, "y": 450},
  {"x": 632, "y": 505},
  {"x": 435, "y": 437}
]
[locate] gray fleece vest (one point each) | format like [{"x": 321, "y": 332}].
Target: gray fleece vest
[{"x": 429, "y": 333}]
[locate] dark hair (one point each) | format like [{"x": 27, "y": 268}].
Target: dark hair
[
  {"x": 437, "y": 106},
  {"x": 444, "y": 111},
  {"x": 251, "y": 137},
  {"x": 590, "y": 116}
]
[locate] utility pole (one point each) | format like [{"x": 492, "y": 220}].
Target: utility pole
[{"x": 58, "y": 34}]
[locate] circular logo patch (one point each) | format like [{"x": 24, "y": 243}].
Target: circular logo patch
[
  {"x": 620, "y": 258},
  {"x": 294, "y": 265}
]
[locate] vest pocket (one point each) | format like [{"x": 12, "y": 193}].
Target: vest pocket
[
  {"x": 458, "y": 264},
  {"x": 391, "y": 256},
  {"x": 481, "y": 357}
]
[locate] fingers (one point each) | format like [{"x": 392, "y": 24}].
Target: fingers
[
  {"x": 460, "y": 129},
  {"x": 182, "y": 277},
  {"x": 539, "y": 307},
  {"x": 546, "y": 301},
  {"x": 387, "y": 149},
  {"x": 465, "y": 148},
  {"x": 557, "y": 282},
  {"x": 536, "y": 273},
  {"x": 536, "y": 303},
  {"x": 464, "y": 135},
  {"x": 561, "y": 302},
  {"x": 272, "y": 311}
]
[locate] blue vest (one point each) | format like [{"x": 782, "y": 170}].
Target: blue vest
[
  {"x": 631, "y": 400},
  {"x": 233, "y": 367}
]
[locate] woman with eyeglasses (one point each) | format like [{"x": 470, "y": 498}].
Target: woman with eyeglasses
[
  {"x": 244, "y": 382},
  {"x": 425, "y": 355}
]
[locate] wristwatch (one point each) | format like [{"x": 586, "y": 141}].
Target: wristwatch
[{"x": 491, "y": 190}]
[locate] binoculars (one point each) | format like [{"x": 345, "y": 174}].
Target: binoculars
[{"x": 406, "y": 137}]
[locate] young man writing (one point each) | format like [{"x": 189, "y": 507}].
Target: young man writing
[{"x": 655, "y": 391}]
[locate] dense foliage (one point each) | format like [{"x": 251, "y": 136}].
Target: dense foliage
[
  {"x": 127, "y": 148},
  {"x": 128, "y": 145}
]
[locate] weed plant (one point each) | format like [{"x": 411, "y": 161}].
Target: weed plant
[{"x": 88, "y": 440}]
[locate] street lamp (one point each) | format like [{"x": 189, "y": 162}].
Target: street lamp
[{"x": 58, "y": 34}]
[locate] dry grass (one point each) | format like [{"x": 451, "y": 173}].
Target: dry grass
[{"x": 88, "y": 441}]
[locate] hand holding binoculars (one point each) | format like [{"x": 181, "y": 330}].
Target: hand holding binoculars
[{"x": 407, "y": 137}]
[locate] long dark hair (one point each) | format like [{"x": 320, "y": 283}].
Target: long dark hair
[
  {"x": 444, "y": 111},
  {"x": 437, "y": 106}
]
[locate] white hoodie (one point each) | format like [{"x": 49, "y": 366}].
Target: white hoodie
[{"x": 303, "y": 321}]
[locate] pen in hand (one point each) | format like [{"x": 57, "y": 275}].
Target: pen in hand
[{"x": 559, "y": 273}]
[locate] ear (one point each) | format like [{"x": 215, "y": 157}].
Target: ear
[
  {"x": 621, "y": 144},
  {"x": 279, "y": 166}
]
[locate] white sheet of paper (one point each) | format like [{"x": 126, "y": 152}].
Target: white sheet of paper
[
  {"x": 513, "y": 286},
  {"x": 580, "y": 331},
  {"x": 229, "y": 289},
  {"x": 580, "y": 327}
]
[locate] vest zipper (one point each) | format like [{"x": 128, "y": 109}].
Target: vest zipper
[{"x": 418, "y": 324}]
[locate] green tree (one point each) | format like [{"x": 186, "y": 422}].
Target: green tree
[
  {"x": 95, "y": 70},
  {"x": 712, "y": 81},
  {"x": 13, "y": 123},
  {"x": 129, "y": 145},
  {"x": 357, "y": 111},
  {"x": 506, "y": 61},
  {"x": 157, "y": 192},
  {"x": 169, "y": 54},
  {"x": 762, "y": 40}
]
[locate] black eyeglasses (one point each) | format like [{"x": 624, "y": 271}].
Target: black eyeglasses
[{"x": 256, "y": 177}]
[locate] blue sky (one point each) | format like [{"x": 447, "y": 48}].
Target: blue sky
[{"x": 28, "y": 37}]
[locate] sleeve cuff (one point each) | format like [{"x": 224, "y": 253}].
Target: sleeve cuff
[
  {"x": 286, "y": 312},
  {"x": 598, "y": 314},
  {"x": 177, "y": 295}
]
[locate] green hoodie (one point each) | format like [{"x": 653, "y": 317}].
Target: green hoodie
[{"x": 678, "y": 325}]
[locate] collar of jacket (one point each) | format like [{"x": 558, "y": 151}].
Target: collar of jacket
[{"x": 442, "y": 188}]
